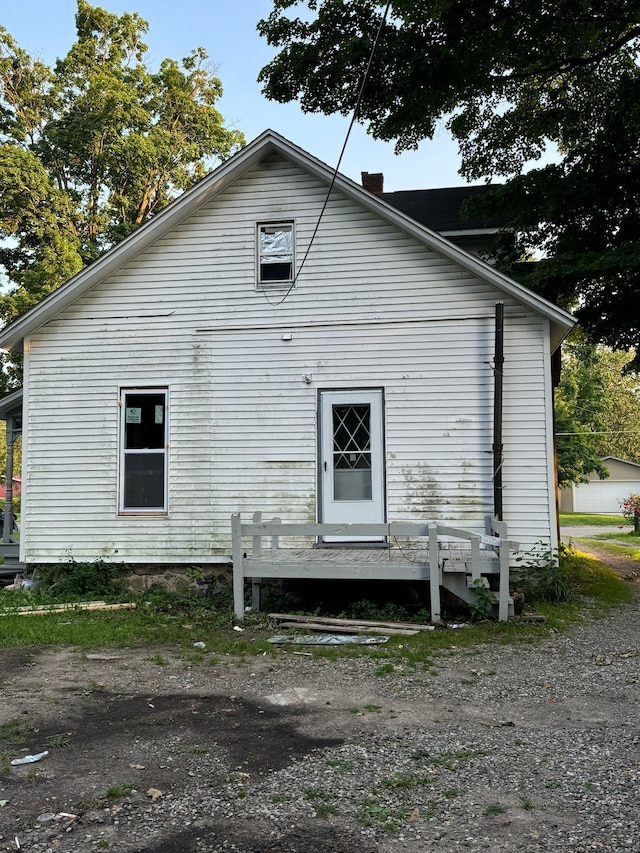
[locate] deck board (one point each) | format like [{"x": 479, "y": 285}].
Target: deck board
[{"x": 354, "y": 563}]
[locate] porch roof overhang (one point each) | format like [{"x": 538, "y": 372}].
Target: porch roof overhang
[
  {"x": 206, "y": 190},
  {"x": 11, "y": 405}
]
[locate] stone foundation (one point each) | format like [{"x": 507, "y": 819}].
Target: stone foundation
[{"x": 177, "y": 578}]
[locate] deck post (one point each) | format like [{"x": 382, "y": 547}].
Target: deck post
[
  {"x": 503, "y": 603},
  {"x": 275, "y": 540},
  {"x": 256, "y": 583},
  {"x": 238, "y": 573},
  {"x": 498, "y": 528},
  {"x": 256, "y": 592},
  {"x": 434, "y": 573},
  {"x": 257, "y": 540},
  {"x": 476, "y": 573},
  {"x": 501, "y": 529}
]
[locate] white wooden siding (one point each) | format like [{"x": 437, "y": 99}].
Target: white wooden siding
[
  {"x": 527, "y": 493},
  {"x": 372, "y": 308}
]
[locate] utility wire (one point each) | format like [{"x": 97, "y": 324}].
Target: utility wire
[
  {"x": 603, "y": 432},
  {"x": 344, "y": 146}
]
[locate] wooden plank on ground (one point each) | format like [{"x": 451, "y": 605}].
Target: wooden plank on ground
[
  {"x": 339, "y": 623},
  {"x": 43, "y": 609},
  {"x": 349, "y": 629}
]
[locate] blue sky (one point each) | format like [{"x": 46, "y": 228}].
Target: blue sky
[{"x": 227, "y": 30}]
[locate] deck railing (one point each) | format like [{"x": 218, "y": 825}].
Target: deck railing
[{"x": 272, "y": 561}]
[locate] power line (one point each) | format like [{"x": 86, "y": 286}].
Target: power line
[
  {"x": 344, "y": 146},
  {"x": 603, "y": 432}
]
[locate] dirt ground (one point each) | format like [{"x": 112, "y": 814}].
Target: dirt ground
[
  {"x": 150, "y": 752},
  {"x": 111, "y": 719}
]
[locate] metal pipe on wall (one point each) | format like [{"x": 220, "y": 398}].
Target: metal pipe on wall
[{"x": 497, "y": 447}]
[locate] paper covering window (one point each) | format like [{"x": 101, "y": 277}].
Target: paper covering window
[{"x": 275, "y": 252}]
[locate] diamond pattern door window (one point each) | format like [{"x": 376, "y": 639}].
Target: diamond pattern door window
[{"x": 352, "y": 453}]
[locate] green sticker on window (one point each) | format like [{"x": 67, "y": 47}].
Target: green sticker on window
[{"x": 133, "y": 416}]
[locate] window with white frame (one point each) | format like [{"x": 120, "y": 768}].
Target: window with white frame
[
  {"x": 275, "y": 260},
  {"x": 143, "y": 450}
]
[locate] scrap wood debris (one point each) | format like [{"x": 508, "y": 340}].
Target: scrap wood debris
[
  {"x": 328, "y": 625},
  {"x": 42, "y": 609}
]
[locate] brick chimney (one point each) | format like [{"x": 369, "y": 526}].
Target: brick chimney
[{"x": 373, "y": 182}]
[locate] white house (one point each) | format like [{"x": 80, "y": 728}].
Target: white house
[{"x": 227, "y": 357}]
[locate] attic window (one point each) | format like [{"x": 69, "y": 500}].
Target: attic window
[{"x": 275, "y": 252}]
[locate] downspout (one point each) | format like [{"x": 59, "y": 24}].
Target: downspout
[
  {"x": 498, "y": 370},
  {"x": 8, "y": 503},
  {"x": 556, "y": 370}
]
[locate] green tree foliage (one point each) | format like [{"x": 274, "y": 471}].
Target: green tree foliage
[
  {"x": 621, "y": 390},
  {"x": 597, "y": 409},
  {"x": 513, "y": 82},
  {"x": 94, "y": 146},
  {"x": 579, "y": 414}
]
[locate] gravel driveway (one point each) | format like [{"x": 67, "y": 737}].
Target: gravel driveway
[{"x": 533, "y": 747}]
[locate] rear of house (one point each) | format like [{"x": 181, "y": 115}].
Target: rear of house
[{"x": 219, "y": 361}]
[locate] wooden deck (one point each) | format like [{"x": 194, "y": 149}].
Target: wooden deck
[
  {"x": 462, "y": 557},
  {"x": 360, "y": 563}
]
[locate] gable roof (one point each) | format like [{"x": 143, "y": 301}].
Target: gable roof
[
  {"x": 217, "y": 181},
  {"x": 621, "y": 461},
  {"x": 441, "y": 209}
]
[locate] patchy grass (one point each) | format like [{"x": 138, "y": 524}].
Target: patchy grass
[
  {"x": 388, "y": 817},
  {"x": 321, "y": 802},
  {"x": 13, "y": 736},
  {"x": 406, "y": 780},
  {"x": 169, "y": 625},
  {"x": 580, "y": 519},
  {"x": 631, "y": 539},
  {"x": 168, "y": 621},
  {"x": 116, "y": 792},
  {"x": 58, "y": 741},
  {"x": 611, "y": 548},
  {"x": 600, "y": 584},
  {"x": 13, "y": 733},
  {"x": 170, "y": 636}
]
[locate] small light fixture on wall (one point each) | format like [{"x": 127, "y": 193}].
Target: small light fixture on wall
[{"x": 307, "y": 377}]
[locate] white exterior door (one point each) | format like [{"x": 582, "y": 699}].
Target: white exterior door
[{"x": 352, "y": 457}]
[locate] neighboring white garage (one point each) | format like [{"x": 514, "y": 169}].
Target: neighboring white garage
[{"x": 603, "y": 496}]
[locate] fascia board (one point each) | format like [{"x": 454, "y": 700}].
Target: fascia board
[{"x": 469, "y": 232}]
